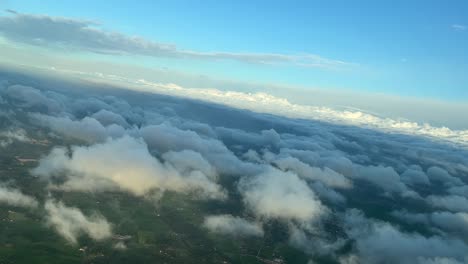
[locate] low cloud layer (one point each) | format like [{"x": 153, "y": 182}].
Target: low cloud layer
[
  {"x": 380, "y": 242},
  {"x": 453, "y": 203},
  {"x": 327, "y": 176},
  {"x": 330, "y": 188}
]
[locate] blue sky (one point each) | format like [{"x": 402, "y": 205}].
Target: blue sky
[{"x": 406, "y": 48}]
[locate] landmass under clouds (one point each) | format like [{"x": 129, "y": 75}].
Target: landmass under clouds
[{"x": 346, "y": 186}]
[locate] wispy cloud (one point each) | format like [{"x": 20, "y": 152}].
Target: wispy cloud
[
  {"x": 86, "y": 35},
  {"x": 11, "y": 11},
  {"x": 459, "y": 27}
]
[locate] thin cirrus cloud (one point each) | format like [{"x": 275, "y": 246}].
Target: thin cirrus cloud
[
  {"x": 459, "y": 27},
  {"x": 85, "y": 35}
]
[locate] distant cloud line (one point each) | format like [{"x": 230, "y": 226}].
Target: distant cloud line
[
  {"x": 266, "y": 103},
  {"x": 85, "y": 35},
  {"x": 459, "y": 27}
]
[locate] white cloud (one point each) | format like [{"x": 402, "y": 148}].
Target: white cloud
[
  {"x": 458, "y": 27},
  {"x": 8, "y": 136},
  {"x": 413, "y": 176},
  {"x": 107, "y": 118},
  {"x": 266, "y": 138},
  {"x": 327, "y": 176},
  {"x": 439, "y": 175},
  {"x": 384, "y": 177},
  {"x": 459, "y": 190},
  {"x": 186, "y": 161},
  {"x": 70, "y": 222},
  {"x": 231, "y": 225},
  {"x": 281, "y": 195},
  {"x": 165, "y": 137},
  {"x": 186, "y": 146},
  {"x": 14, "y": 197},
  {"x": 266, "y": 103},
  {"x": 126, "y": 163},
  {"x": 439, "y": 260},
  {"x": 411, "y": 218},
  {"x": 87, "y": 129},
  {"x": 315, "y": 244},
  {"x": 29, "y": 97},
  {"x": 328, "y": 194},
  {"x": 454, "y": 222},
  {"x": 86, "y": 35},
  {"x": 381, "y": 242},
  {"x": 453, "y": 203}
]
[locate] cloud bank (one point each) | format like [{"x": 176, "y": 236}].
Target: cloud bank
[
  {"x": 86, "y": 35},
  {"x": 266, "y": 103},
  {"x": 331, "y": 189},
  {"x": 380, "y": 242}
]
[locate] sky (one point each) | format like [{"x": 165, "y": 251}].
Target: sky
[{"x": 411, "y": 50}]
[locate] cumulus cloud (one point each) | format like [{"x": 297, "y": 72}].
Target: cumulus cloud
[
  {"x": 126, "y": 163},
  {"x": 453, "y": 203},
  {"x": 459, "y": 190},
  {"x": 266, "y": 138},
  {"x": 186, "y": 161},
  {"x": 86, "y": 35},
  {"x": 411, "y": 218},
  {"x": 414, "y": 176},
  {"x": 14, "y": 197},
  {"x": 327, "y": 193},
  {"x": 70, "y": 222},
  {"x": 107, "y": 118},
  {"x": 384, "y": 177},
  {"x": 252, "y": 156},
  {"x": 440, "y": 175},
  {"x": 280, "y": 171},
  {"x": 87, "y": 129},
  {"x": 281, "y": 195},
  {"x": 439, "y": 260},
  {"x": 381, "y": 242},
  {"x": 232, "y": 225},
  {"x": 165, "y": 137},
  {"x": 328, "y": 177},
  {"x": 8, "y": 136},
  {"x": 454, "y": 222},
  {"x": 314, "y": 245},
  {"x": 29, "y": 97}
]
